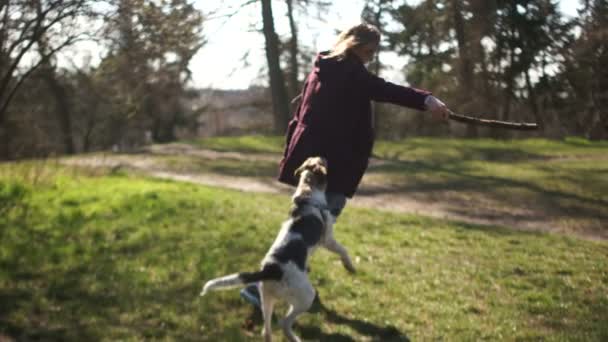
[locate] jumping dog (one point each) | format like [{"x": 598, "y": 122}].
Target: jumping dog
[{"x": 283, "y": 274}]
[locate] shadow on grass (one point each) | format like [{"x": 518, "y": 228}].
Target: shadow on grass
[
  {"x": 59, "y": 282},
  {"x": 584, "y": 143},
  {"x": 458, "y": 153},
  {"x": 308, "y": 332},
  {"x": 547, "y": 202},
  {"x": 11, "y": 300},
  {"x": 234, "y": 167}
]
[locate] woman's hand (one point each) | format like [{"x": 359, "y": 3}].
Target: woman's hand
[{"x": 437, "y": 108}]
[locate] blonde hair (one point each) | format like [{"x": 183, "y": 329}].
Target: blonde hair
[{"x": 355, "y": 36}]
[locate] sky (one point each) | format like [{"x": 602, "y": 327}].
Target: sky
[{"x": 219, "y": 64}]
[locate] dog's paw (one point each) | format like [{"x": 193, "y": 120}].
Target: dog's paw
[
  {"x": 349, "y": 266},
  {"x": 267, "y": 335}
]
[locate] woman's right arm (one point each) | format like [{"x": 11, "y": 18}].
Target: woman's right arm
[{"x": 381, "y": 90}]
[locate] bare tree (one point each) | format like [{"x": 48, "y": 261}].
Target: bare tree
[
  {"x": 60, "y": 94},
  {"x": 280, "y": 102},
  {"x": 586, "y": 67},
  {"x": 293, "y": 80},
  {"x": 465, "y": 64},
  {"x": 298, "y": 11},
  {"x": 374, "y": 12},
  {"x": 22, "y": 26},
  {"x": 148, "y": 60}
]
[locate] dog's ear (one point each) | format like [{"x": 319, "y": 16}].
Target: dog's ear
[
  {"x": 305, "y": 165},
  {"x": 320, "y": 173},
  {"x": 320, "y": 170},
  {"x": 299, "y": 171}
]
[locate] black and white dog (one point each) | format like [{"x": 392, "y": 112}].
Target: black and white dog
[{"x": 283, "y": 274}]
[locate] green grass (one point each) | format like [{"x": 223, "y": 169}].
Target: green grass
[
  {"x": 94, "y": 256},
  {"x": 248, "y": 143},
  {"x": 222, "y": 166},
  {"x": 427, "y": 148},
  {"x": 561, "y": 182}
]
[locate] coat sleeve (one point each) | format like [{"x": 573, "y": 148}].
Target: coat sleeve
[{"x": 383, "y": 91}]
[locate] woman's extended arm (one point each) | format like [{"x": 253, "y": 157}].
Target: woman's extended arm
[{"x": 381, "y": 90}]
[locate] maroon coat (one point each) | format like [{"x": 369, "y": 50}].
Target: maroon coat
[{"x": 334, "y": 120}]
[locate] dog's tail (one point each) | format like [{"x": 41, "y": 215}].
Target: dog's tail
[{"x": 268, "y": 272}]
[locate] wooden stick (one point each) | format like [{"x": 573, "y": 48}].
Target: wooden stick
[{"x": 522, "y": 126}]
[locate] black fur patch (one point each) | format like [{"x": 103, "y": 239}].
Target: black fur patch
[
  {"x": 268, "y": 272},
  {"x": 310, "y": 227},
  {"x": 294, "y": 250}
]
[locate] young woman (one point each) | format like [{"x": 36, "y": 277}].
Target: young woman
[{"x": 334, "y": 116}]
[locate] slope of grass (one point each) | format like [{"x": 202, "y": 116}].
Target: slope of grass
[
  {"x": 247, "y": 143},
  {"x": 114, "y": 257},
  {"x": 560, "y": 182},
  {"x": 563, "y": 182},
  {"x": 428, "y": 147}
]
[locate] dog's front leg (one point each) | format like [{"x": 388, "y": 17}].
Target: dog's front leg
[
  {"x": 337, "y": 248},
  {"x": 334, "y": 246}
]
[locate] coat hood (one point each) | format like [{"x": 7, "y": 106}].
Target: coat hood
[{"x": 323, "y": 65}]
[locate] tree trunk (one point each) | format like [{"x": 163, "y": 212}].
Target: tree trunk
[
  {"x": 508, "y": 92},
  {"x": 467, "y": 87},
  {"x": 376, "y": 65},
  {"x": 599, "y": 87},
  {"x": 62, "y": 107},
  {"x": 5, "y": 140},
  {"x": 294, "y": 83},
  {"x": 280, "y": 105},
  {"x": 87, "y": 136},
  {"x": 533, "y": 101},
  {"x": 466, "y": 71}
]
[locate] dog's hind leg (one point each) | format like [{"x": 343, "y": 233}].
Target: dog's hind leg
[
  {"x": 268, "y": 301},
  {"x": 300, "y": 304}
]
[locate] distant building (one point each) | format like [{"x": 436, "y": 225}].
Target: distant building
[{"x": 230, "y": 112}]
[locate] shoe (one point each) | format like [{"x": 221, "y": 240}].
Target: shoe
[{"x": 252, "y": 295}]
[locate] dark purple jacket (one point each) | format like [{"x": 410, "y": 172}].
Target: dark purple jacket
[{"x": 334, "y": 120}]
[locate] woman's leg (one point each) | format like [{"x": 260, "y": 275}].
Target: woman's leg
[
  {"x": 335, "y": 202},
  {"x": 251, "y": 294}
]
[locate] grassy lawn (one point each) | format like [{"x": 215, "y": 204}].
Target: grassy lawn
[
  {"x": 564, "y": 183},
  {"x": 96, "y": 256},
  {"x": 222, "y": 166},
  {"x": 247, "y": 143}
]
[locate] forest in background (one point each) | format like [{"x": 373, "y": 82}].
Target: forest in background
[{"x": 514, "y": 60}]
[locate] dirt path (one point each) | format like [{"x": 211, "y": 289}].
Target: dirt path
[{"x": 371, "y": 194}]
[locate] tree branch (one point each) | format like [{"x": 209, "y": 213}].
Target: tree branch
[
  {"x": 230, "y": 15},
  {"x": 35, "y": 33},
  {"x": 522, "y": 126},
  {"x": 45, "y": 58}
]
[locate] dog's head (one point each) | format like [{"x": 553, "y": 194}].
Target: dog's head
[{"x": 312, "y": 175}]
